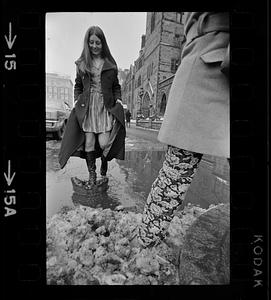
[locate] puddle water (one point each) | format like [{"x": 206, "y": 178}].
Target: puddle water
[{"x": 129, "y": 183}]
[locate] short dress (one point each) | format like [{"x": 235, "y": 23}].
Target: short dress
[{"x": 97, "y": 119}]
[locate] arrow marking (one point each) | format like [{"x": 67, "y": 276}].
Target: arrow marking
[
  {"x": 8, "y": 178},
  {"x": 9, "y": 40}
]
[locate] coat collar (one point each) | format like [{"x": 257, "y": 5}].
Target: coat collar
[{"x": 108, "y": 65}]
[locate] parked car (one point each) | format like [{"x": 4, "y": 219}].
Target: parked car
[{"x": 57, "y": 114}]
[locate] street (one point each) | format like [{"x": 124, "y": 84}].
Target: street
[{"x": 130, "y": 180}]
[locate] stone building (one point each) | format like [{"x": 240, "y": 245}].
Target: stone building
[
  {"x": 59, "y": 88},
  {"x": 122, "y": 75},
  {"x": 128, "y": 91},
  {"x": 157, "y": 63}
]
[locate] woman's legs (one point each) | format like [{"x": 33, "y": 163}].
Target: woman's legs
[
  {"x": 103, "y": 139},
  {"x": 90, "y": 154},
  {"x": 90, "y": 157},
  {"x": 89, "y": 141},
  {"x": 167, "y": 194}
]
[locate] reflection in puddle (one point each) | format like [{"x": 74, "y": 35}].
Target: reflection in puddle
[
  {"x": 99, "y": 199},
  {"x": 130, "y": 182},
  {"x": 141, "y": 169}
]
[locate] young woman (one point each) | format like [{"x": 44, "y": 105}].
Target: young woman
[{"x": 96, "y": 126}]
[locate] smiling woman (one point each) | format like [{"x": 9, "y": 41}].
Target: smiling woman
[
  {"x": 96, "y": 127},
  {"x": 95, "y": 46}
]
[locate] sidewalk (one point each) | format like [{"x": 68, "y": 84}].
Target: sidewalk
[
  {"x": 133, "y": 124},
  {"x": 141, "y": 132}
]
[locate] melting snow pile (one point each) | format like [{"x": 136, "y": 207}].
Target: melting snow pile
[{"x": 88, "y": 246}]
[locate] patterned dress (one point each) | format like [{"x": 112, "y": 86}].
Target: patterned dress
[{"x": 97, "y": 119}]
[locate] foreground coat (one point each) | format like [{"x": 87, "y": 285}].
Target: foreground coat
[
  {"x": 74, "y": 138},
  {"x": 197, "y": 113}
]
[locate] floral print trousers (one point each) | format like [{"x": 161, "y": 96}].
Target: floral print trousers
[{"x": 167, "y": 194}]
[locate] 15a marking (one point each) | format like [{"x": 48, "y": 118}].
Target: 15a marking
[
  {"x": 10, "y": 194},
  {"x": 10, "y": 63}
]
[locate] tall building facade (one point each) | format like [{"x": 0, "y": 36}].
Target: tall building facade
[
  {"x": 158, "y": 61},
  {"x": 128, "y": 91}
]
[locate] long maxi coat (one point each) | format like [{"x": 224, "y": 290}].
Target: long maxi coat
[
  {"x": 74, "y": 137},
  {"x": 197, "y": 113}
]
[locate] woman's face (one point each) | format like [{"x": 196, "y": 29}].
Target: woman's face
[{"x": 95, "y": 45}]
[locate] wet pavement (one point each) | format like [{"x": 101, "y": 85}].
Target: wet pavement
[{"x": 130, "y": 180}]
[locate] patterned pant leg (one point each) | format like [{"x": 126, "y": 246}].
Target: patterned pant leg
[{"x": 167, "y": 194}]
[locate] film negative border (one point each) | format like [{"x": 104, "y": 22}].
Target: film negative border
[
  {"x": 249, "y": 154},
  {"x": 23, "y": 205},
  {"x": 23, "y": 161}
]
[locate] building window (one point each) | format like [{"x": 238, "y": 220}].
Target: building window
[
  {"x": 174, "y": 65},
  {"x": 50, "y": 91},
  {"x": 62, "y": 93},
  {"x": 139, "y": 81},
  {"x": 146, "y": 105},
  {"x": 163, "y": 105},
  {"x": 152, "y": 21},
  {"x": 149, "y": 70},
  {"x": 176, "y": 38},
  {"x": 55, "y": 92},
  {"x": 180, "y": 17}
]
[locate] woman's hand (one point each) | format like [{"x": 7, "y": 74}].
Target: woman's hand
[{"x": 119, "y": 101}]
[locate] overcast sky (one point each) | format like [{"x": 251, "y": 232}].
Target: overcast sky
[{"x": 65, "y": 34}]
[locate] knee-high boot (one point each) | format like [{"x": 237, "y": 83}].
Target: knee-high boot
[
  {"x": 91, "y": 163},
  {"x": 103, "y": 170},
  {"x": 104, "y": 166}
]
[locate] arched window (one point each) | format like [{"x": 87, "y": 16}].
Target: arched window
[
  {"x": 163, "y": 105},
  {"x": 146, "y": 105}
]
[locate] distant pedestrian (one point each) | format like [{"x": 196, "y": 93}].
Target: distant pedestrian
[
  {"x": 96, "y": 126},
  {"x": 128, "y": 117},
  {"x": 196, "y": 120}
]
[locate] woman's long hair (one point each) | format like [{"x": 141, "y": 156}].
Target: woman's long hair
[{"x": 85, "y": 60}]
